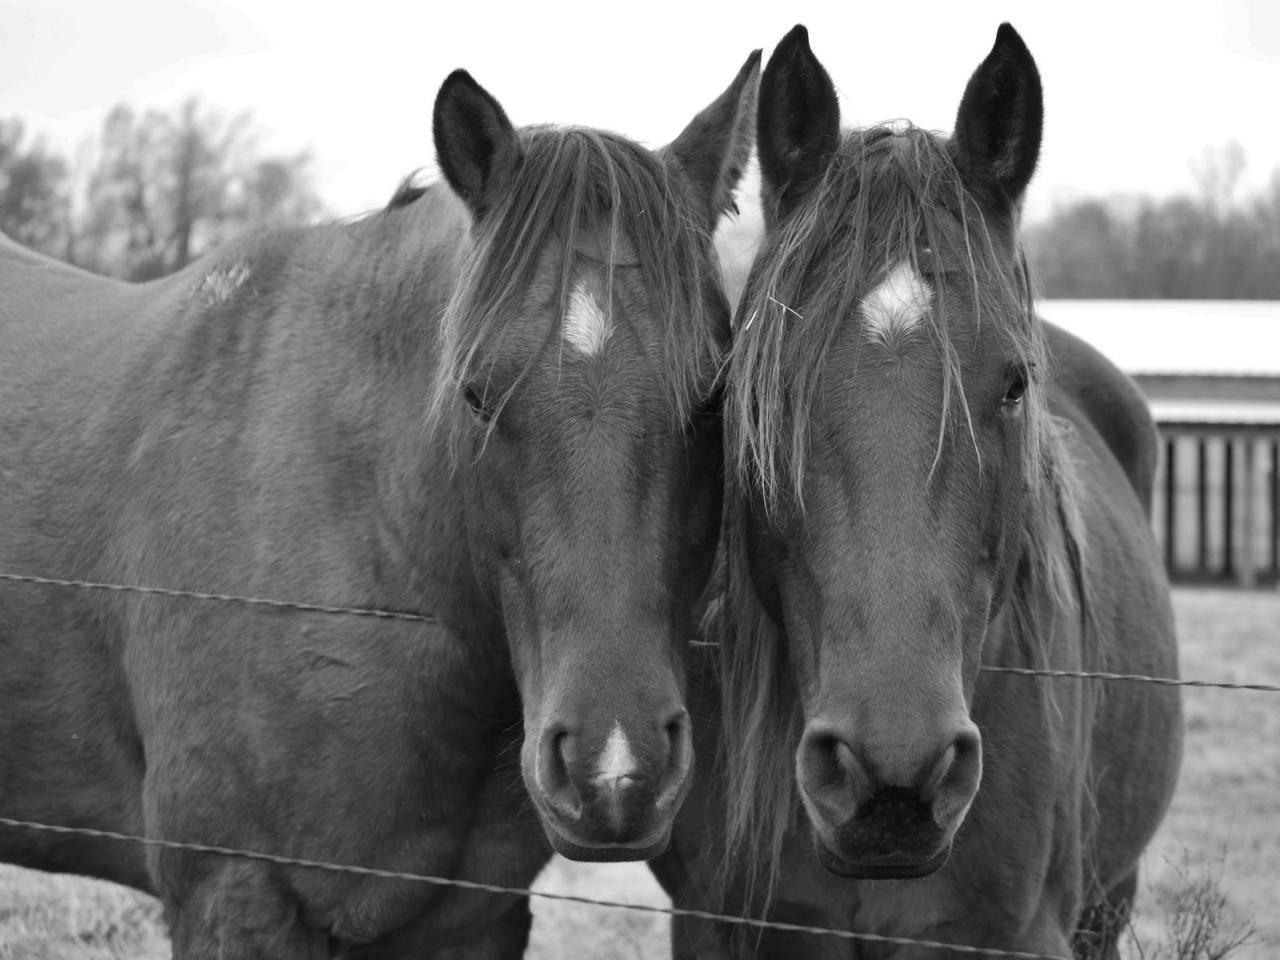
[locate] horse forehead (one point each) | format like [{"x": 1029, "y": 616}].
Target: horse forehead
[
  {"x": 897, "y": 304},
  {"x": 605, "y": 245}
]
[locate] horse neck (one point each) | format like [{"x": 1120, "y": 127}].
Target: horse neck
[{"x": 382, "y": 287}]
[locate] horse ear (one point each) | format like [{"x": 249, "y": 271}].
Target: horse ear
[
  {"x": 476, "y": 146},
  {"x": 1000, "y": 120},
  {"x": 799, "y": 124},
  {"x": 714, "y": 148}
]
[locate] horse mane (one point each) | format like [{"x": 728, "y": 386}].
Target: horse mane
[
  {"x": 570, "y": 181},
  {"x": 891, "y": 193},
  {"x": 406, "y": 193}
]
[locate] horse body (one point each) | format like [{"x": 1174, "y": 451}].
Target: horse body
[
  {"x": 272, "y": 732},
  {"x": 927, "y": 489},
  {"x": 1131, "y": 785},
  {"x": 348, "y": 414}
]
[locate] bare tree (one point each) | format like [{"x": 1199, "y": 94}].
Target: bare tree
[
  {"x": 33, "y": 191},
  {"x": 168, "y": 187},
  {"x": 1217, "y": 174},
  {"x": 1206, "y": 244}
]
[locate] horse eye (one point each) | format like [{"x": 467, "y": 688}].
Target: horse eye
[
  {"x": 476, "y": 401},
  {"x": 1016, "y": 390}
]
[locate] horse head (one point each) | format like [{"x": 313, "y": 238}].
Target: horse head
[
  {"x": 578, "y": 383},
  {"x": 889, "y": 437}
]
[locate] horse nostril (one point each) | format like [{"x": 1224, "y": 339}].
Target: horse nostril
[
  {"x": 941, "y": 768},
  {"x": 554, "y": 781},
  {"x": 954, "y": 780},
  {"x": 679, "y": 760},
  {"x": 678, "y": 732},
  {"x": 834, "y": 776}
]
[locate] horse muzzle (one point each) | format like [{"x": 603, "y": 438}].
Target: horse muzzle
[
  {"x": 614, "y": 800},
  {"x": 879, "y": 814},
  {"x": 891, "y": 842}
]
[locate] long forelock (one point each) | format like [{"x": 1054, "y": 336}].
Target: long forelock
[
  {"x": 890, "y": 194},
  {"x": 572, "y": 183}
]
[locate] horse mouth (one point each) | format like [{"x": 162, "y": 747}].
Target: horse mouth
[
  {"x": 880, "y": 867},
  {"x": 592, "y": 851}
]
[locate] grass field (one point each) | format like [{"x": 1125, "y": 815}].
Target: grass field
[{"x": 1225, "y": 824}]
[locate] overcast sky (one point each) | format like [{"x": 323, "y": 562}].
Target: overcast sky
[{"x": 1135, "y": 92}]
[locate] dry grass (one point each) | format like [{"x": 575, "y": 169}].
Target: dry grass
[
  {"x": 1217, "y": 858},
  {"x": 46, "y": 917},
  {"x": 1225, "y": 820}
]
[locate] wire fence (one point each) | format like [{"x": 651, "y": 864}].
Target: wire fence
[
  {"x": 324, "y": 865},
  {"x": 729, "y": 919},
  {"x": 303, "y": 607}
]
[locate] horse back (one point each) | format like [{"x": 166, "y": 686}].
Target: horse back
[{"x": 1098, "y": 392}]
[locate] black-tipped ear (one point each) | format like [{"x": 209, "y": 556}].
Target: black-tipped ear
[
  {"x": 799, "y": 124},
  {"x": 476, "y": 146},
  {"x": 1000, "y": 121},
  {"x": 714, "y": 148}
]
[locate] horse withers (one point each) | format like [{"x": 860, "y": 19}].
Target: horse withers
[
  {"x": 922, "y": 496},
  {"x": 489, "y": 404}
]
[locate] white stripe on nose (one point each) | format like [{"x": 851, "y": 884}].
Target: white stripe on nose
[{"x": 616, "y": 759}]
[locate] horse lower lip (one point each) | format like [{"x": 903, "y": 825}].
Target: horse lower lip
[
  {"x": 880, "y": 868},
  {"x": 590, "y": 850}
]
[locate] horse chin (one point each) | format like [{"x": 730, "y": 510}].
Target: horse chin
[
  {"x": 645, "y": 848},
  {"x": 879, "y": 868}
]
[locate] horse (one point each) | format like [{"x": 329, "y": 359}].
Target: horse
[
  {"x": 928, "y": 487},
  {"x": 489, "y": 406}
]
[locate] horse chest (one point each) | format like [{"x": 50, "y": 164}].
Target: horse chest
[
  {"x": 902, "y": 907},
  {"x": 493, "y": 839}
]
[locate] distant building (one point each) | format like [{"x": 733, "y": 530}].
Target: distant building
[{"x": 1211, "y": 371}]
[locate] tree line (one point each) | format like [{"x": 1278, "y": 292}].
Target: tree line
[
  {"x": 152, "y": 191},
  {"x": 156, "y": 189},
  {"x": 1207, "y": 243}
]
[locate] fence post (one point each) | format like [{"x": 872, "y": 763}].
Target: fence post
[
  {"x": 1274, "y": 500},
  {"x": 1170, "y": 509},
  {"x": 1228, "y": 509},
  {"x": 1248, "y": 572},
  {"x": 1202, "y": 506}
]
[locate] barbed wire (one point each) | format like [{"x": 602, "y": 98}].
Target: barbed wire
[
  {"x": 525, "y": 892},
  {"x": 1132, "y": 677},
  {"x": 220, "y": 598},
  {"x": 427, "y": 618}
]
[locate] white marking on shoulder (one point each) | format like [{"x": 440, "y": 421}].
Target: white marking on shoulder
[
  {"x": 897, "y": 304},
  {"x": 221, "y": 283},
  {"x": 586, "y": 327},
  {"x": 616, "y": 759}
]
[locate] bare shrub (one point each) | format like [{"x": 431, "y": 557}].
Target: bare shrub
[{"x": 1200, "y": 921}]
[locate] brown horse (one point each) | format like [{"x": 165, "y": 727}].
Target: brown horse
[
  {"x": 928, "y": 485},
  {"x": 485, "y": 404}
]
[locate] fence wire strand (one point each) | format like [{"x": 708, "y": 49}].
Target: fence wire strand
[
  {"x": 523, "y": 892},
  {"x": 429, "y": 619},
  {"x": 220, "y": 598},
  {"x": 1133, "y": 678}
]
